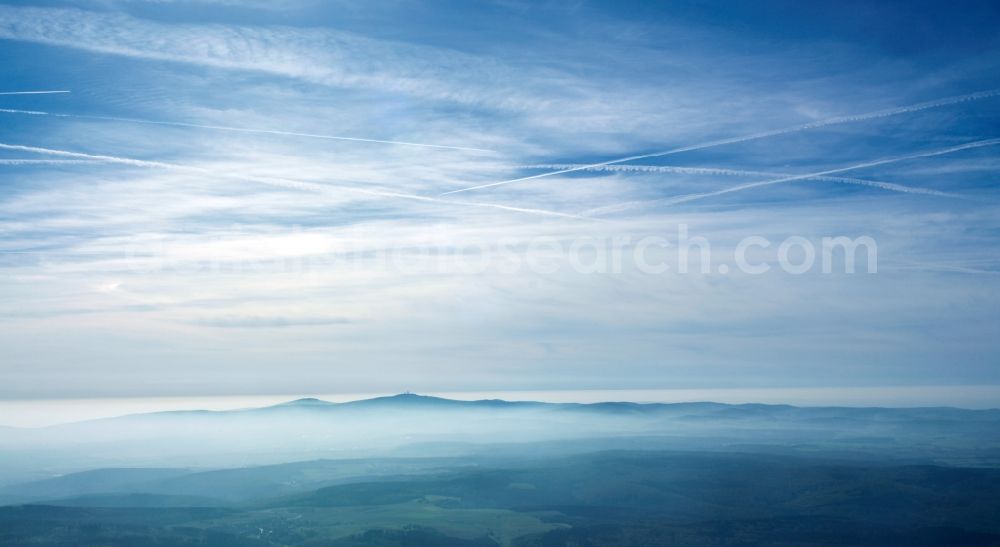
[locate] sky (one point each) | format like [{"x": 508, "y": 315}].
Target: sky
[{"x": 252, "y": 198}]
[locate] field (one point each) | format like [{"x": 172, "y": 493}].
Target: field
[{"x": 604, "y": 498}]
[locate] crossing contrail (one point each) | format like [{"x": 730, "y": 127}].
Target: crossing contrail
[
  {"x": 282, "y": 182},
  {"x": 754, "y": 136},
  {"x": 891, "y": 186},
  {"x": 32, "y": 92},
  {"x": 240, "y": 129},
  {"x": 791, "y": 178}
]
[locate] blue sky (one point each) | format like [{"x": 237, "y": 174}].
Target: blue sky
[{"x": 182, "y": 258}]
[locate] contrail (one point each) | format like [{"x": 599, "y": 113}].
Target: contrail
[
  {"x": 32, "y": 92},
  {"x": 732, "y": 140},
  {"x": 92, "y": 157},
  {"x": 791, "y": 178},
  {"x": 18, "y": 161},
  {"x": 918, "y": 266},
  {"x": 891, "y": 186},
  {"x": 283, "y": 182},
  {"x": 241, "y": 129}
]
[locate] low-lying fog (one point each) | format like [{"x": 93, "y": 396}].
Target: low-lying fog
[{"x": 412, "y": 425}]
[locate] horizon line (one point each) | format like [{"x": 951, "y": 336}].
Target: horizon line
[{"x": 45, "y": 412}]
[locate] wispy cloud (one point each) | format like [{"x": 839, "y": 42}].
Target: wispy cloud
[
  {"x": 188, "y": 209},
  {"x": 891, "y": 186},
  {"x": 326, "y": 57},
  {"x": 241, "y": 129},
  {"x": 290, "y": 183},
  {"x": 258, "y": 322},
  {"x": 947, "y": 101}
]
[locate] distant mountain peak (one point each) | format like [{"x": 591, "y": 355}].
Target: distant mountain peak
[
  {"x": 405, "y": 399},
  {"x": 307, "y": 401},
  {"x": 410, "y": 395},
  {"x": 400, "y": 398}
]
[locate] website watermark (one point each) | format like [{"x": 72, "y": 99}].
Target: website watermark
[{"x": 682, "y": 252}]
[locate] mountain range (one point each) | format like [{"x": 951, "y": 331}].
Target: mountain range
[
  {"x": 410, "y": 469},
  {"x": 422, "y": 426}
]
